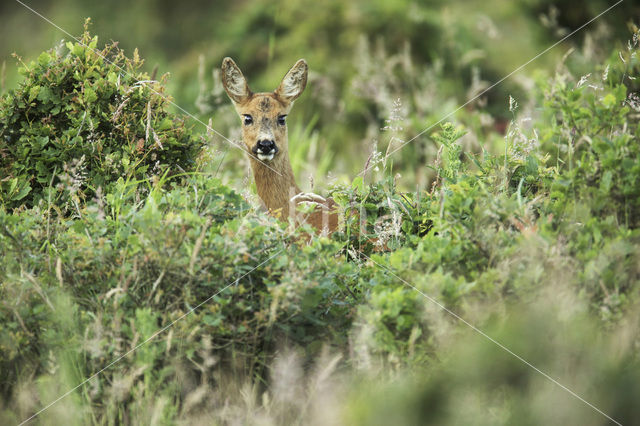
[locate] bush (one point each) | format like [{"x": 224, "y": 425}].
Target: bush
[{"x": 81, "y": 119}]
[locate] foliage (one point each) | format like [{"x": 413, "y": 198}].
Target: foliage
[
  {"x": 187, "y": 299},
  {"x": 176, "y": 251},
  {"x": 81, "y": 119}
]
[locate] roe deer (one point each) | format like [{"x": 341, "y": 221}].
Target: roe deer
[{"x": 264, "y": 133}]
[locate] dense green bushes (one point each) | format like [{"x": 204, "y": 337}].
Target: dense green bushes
[
  {"x": 171, "y": 254},
  {"x": 219, "y": 289}
]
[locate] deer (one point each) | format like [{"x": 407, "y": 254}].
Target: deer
[{"x": 265, "y": 137}]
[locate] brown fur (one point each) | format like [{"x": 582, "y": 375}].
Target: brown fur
[
  {"x": 274, "y": 179},
  {"x": 324, "y": 217}
]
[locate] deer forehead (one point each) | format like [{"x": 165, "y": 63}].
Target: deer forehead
[{"x": 264, "y": 105}]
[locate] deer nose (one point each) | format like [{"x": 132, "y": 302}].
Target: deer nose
[{"x": 265, "y": 146}]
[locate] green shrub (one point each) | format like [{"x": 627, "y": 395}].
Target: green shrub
[
  {"x": 82, "y": 118},
  {"x": 184, "y": 244},
  {"x": 593, "y": 124}
]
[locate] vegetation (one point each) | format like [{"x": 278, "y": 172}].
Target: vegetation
[
  {"x": 91, "y": 115},
  {"x": 140, "y": 287}
]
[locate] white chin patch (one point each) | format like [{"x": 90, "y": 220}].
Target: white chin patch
[{"x": 265, "y": 157}]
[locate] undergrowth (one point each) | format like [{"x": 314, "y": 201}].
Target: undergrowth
[{"x": 116, "y": 246}]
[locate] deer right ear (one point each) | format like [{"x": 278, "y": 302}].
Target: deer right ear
[
  {"x": 234, "y": 82},
  {"x": 294, "y": 82}
]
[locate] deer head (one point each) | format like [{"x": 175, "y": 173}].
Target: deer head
[
  {"x": 264, "y": 133},
  {"x": 264, "y": 128}
]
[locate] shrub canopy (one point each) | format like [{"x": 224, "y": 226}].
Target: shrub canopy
[{"x": 81, "y": 119}]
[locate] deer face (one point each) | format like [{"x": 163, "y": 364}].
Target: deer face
[{"x": 264, "y": 129}]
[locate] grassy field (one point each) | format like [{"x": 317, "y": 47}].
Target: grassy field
[{"x": 493, "y": 281}]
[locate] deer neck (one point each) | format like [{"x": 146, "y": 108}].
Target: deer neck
[{"x": 275, "y": 183}]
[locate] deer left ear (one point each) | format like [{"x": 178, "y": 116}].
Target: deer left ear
[
  {"x": 234, "y": 82},
  {"x": 294, "y": 82}
]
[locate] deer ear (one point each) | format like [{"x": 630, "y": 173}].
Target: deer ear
[
  {"x": 234, "y": 82},
  {"x": 294, "y": 82}
]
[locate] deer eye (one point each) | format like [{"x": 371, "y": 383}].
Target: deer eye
[
  {"x": 247, "y": 119},
  {"x": 281, "y": 120}
]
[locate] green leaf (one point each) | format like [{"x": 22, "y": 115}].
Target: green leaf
[
  {"x": 609, "y": 101},
  {"x": 45, "y": 94},
  {"x": 33, "y": 92},
  {"x": 112, "y": 77},
  {"x": 213, "y": 321},
  {"x": 532, "y": 165},
  {"x": 605, "y": 183},
  {"x": 24, "y": 191},
  {"x": 78, "y": 49},
  {"x": 358, "y": 184},
  {"x": 620, "y": 93},
  {"x": 44, "y": 58},
  {"x": 13, "y": 185},
  {"x": 93, "y": 43},
  {"x": 90, "y": 95}
]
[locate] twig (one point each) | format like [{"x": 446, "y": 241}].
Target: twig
[
  {"x": 32, "y": 279},
  {"x": 198, "y": 245}
]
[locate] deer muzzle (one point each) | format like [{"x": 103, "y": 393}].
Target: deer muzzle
[{"x": 265, "y": 150}]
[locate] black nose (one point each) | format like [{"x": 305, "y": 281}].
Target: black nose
[{"x": 265, "y": 146}]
